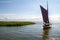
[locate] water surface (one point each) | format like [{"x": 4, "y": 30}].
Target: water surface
[{"x": 30, "y": 32}]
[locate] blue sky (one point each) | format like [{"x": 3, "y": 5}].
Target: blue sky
[{"x": 27, "y": 8}]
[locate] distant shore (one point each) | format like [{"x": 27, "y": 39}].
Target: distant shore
[{"x": 13, "y": 23}]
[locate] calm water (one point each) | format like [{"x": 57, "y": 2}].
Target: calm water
[{"x": 30, "y": 32}]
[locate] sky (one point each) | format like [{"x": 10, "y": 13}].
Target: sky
[{"x": 28, "y": 9}]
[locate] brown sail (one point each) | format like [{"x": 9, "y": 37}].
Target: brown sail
[{"x": 44, "y": 15}]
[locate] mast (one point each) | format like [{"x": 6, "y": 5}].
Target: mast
[
  {"x": 47, "y": 5},
  {"x": 47, "y": 11}
]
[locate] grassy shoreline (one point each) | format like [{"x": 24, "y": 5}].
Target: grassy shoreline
[{"x": 2, "y": 23}]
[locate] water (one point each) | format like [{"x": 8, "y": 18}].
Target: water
[{"x": 30, "y": 32}]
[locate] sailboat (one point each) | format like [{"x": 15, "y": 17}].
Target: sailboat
[{"x": 45, "y": 16}]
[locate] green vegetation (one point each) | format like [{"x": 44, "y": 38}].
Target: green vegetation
[{"x": 2, "y": 23}]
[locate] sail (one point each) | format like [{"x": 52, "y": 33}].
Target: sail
[{"x": 44, "y": 14}]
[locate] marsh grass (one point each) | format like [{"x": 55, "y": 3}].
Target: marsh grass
[{"x": 2, "y": 23}]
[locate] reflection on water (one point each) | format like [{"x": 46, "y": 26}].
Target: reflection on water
[
  {"x": 52, "y": 33},
  {"x": 46, "y": 34}
]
